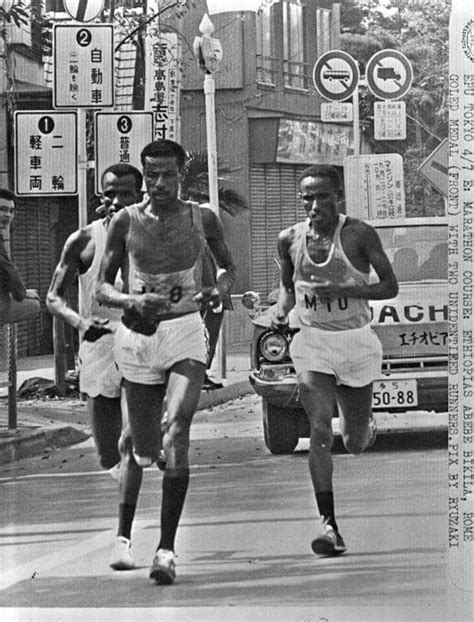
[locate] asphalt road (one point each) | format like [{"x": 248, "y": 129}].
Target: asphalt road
[{"x": 244, "y": 541}]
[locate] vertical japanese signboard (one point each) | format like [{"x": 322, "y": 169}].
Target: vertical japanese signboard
[
  {"x": 162, "y": 83},
  {"x": 120, "y": 138},
  {"x": 374, "y": 186},
  {"x": 45, "y": 153},
  {"x": 460, "y": 208},
  {"x": 83, "y": 66}
]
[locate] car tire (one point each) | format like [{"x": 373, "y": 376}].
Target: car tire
[{"x": 280, "y": 428}]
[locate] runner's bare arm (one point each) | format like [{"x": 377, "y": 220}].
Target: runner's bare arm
[
  {"x": 214, "y": 233},
  {"x": 286, "y": 292},
  {"x": 114, "y": 258},
  {"x": 76, "y": 257},
  {"x": 372, "y": 251}
]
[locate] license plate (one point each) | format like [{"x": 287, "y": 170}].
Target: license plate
[{"x": 394, "y": 394}]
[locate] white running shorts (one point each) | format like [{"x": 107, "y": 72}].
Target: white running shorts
[
  {"x": 353, "y": 356},
  {"x": 145, "y": 359},
  {"x": 98, "y": 372}
]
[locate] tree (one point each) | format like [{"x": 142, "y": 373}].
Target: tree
[
  {"x": 195, "y": 184},
  {"x": 421, "y": 32}
]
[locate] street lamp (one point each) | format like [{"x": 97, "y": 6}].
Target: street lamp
[{"x": 208, "y": 52}]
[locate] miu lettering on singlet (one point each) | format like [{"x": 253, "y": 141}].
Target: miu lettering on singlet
[{"x": 313, "y": 302}]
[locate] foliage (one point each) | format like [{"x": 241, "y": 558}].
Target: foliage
[
  {"x": 15, "y": 13},
  {"x": 195, "y": 185},
  {"x": 421, "y": 32}
]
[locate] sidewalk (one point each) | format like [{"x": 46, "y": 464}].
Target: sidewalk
[{"x": 43, "y": 423}]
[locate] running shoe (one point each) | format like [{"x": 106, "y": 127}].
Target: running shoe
[
  {"x": 211, "y": 385},
  {"x": 328, "y": 542},
  {"x": 121, "y": 558},
  {"x": 161, "y": 462},
  {"x": 115, "y": 471},
  {"x": 373, "y": 432},
  {"x": 163, "y": 569},
  {"x": 142, "y": 461}
]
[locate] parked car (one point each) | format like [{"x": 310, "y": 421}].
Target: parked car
[{"x": 412, "y": 328}]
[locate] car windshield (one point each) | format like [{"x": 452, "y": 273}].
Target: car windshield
[{"x": 417, "y": 253}]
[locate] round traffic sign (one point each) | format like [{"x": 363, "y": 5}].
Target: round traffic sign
[
  {"x": 124, "y": 124},
  {"x": 389, "y": 74},
  {"x": 84, "y": 10},
  {"x": 336, "y": 75},
  {"x": 46, "y": 125}
]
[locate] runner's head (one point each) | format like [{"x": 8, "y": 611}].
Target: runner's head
[
  {"x": 320, "y": 190},
  {"x": 121, "y": 186},
  {"x": 163, "y": 164}
]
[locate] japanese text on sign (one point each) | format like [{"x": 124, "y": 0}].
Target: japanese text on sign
[
  {"x": 120, "y": 137},
  {"x": 45, "y": 153},
  {"x": 163, "y": 82},
  {"x": 374, "y": 186},
  {"x": 83, "y": 66}
]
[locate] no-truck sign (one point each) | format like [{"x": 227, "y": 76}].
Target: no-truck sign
[{"x": 389, "y": 74}]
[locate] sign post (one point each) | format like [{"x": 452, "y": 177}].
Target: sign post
[
  {"x": 374, "y": 186},
  {"x": 83, "y": 78},
  {"x": 389, "y": 74},
  {"x": 435, "y": 167},
  {"x": 46, "y": 152},
  {"x": 84, "y": 10},
  {"x": 120, "y": 137},
  {"x": 336, "y": 77}
]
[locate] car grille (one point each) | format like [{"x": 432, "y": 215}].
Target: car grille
[{"x": 432, "y": 364}]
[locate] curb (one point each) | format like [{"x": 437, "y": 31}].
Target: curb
[
  {"x": 227, "y": 393},
  {"x": 17, "y": 447},
  {"x": 27, "y": 444}
]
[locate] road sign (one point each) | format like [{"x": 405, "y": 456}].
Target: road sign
[
  {"x": 336, "y": 75},
  {"x": 389, "y": 74},
  {"x": 45, "y": 153},
  {"x": 335, "y": 112},
  {"x": 374, "y": 186},
  {"x": 390, "y": 120},
  {"x": 120, "y": 137},
  {"x": 435, "y": 167},
  {"x": 84, "y": 10},
  {"x": 83, "y": 60}
]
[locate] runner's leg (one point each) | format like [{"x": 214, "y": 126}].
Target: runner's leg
[
  {"x": 356, "y": 409},
  {"x": 318, "y": 397},
  {"x": 144, "y": 404},
  {"x": 106, "y": 423},
  {"x": 185, "y": 379}
]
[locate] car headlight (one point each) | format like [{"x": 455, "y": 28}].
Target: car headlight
[{"x": 273, "y": 346}]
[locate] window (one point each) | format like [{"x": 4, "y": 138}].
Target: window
[
  {"x": 417, "y": 253},
  {"x": 295, "y": 70},
  {"x": 54, "y": 6},
  {"x": 267, "y": 64},
  {"x": 323, "y": 30}
]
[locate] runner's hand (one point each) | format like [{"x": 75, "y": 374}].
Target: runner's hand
[
  {"x": 150, "y": 305},
  {"x": 208, "y": 297},
  {"x": 94, "y": 329},
  {"x": 330, "y": 291},
  {"x": 280, "y": 323}
]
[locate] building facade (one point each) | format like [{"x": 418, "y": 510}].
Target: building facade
[{"x": 268, "y": 118}]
